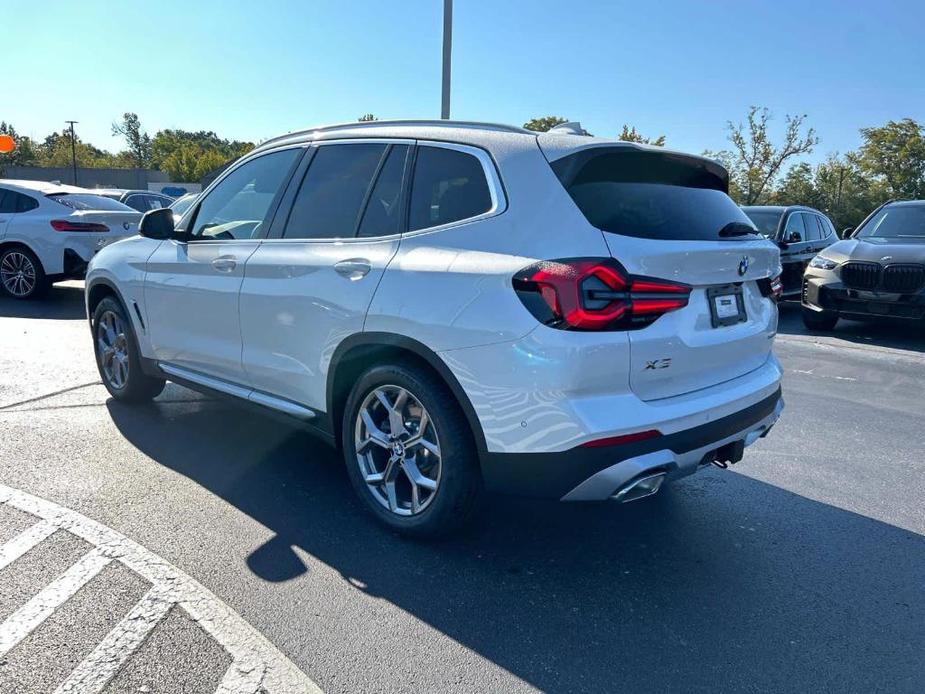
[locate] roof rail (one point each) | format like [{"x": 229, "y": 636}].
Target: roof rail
[{"x": 500, "y": 127}]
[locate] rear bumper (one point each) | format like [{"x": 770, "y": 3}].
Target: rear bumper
[
  {"x": 584, "y": 474},
  {"x": 824, "y": 291}
]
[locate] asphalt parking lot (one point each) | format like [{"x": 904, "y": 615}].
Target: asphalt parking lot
[{"x": 802, "y": 568}]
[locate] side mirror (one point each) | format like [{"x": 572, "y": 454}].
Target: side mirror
[
  {"x": 157, "y": 224},
  {"x": 846, "y": 233},
  {"x": 795, "y": 237}
]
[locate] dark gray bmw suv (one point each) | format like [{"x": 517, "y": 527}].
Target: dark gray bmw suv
[{"x": 879, "y": 271}]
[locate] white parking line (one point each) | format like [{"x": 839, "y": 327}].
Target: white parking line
[
  {"x": 92, "y": 675},
  {"x": 24, "y": 620},
  {"x": 26, "y": 540},
  {"x": 256, "y": 664}
]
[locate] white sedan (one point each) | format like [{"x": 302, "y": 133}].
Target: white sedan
[{"x": 49, "y": 232}]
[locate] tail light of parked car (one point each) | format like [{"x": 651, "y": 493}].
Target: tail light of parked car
[
  {"x": 595, "y": 294},
  {"x": 772, "y": 287},
  {"x": 68, "y": 225}
]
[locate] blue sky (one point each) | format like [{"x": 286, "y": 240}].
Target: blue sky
[{"x": 251, "y": 71}]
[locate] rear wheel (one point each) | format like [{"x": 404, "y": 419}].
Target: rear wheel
[
  {"x": 21, "y": 273},
  {"x": 819, "y": 320},
  {"x": 117, "y": 356},
  {"x": 409, "y": 451}
]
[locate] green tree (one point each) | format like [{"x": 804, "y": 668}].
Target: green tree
[
  {"x": 544, "y": 124},
  {"x": 754, "y": 163},
  {"x": 23, "y": 155},
  {"x": 139, "y": 144},
  {"x": 187, "y": 156},
  {"x": 630, "y": 135},
  {"x": 366, "y": 117},
  {"x": 895, "y": 155}
]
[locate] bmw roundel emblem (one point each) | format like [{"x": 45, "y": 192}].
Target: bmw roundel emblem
[{"x": 743, "y": 266}]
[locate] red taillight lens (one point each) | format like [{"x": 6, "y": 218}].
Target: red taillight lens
[
  {"x": 772, "y": 287},
  {"x": 68, "y": 225},
  {"x": 595, "y": 294}
]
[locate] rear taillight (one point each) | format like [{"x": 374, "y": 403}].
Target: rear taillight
[
  {"x": 772, "y": 287},
  {"x": 68, "y": 225},
  {"x": 595, "y": 294}
]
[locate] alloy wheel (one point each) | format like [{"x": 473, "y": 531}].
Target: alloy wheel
[
  {"x": 17, "y": 272},
  {"x": 397, "y": 450},
  {"x": 113, "y": 349}
]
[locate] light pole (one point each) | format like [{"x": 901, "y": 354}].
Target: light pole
[
  {"x": 447, "y": 55},
  {"x": 73, "y": 149}
]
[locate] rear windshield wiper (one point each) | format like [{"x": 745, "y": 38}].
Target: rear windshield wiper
[{"x": 737, "y": 229}]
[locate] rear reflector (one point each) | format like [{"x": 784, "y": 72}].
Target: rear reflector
[
  {"x": 622, "y": 440},
  {"x": 68, "y": 225}
]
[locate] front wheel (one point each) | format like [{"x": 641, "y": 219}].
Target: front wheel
[
  {"x": 819, "y": 320},
  {"x": 409, "y": 451},
  {"x": 117, "y": 356},
  {"x": 21, "y": 274}
]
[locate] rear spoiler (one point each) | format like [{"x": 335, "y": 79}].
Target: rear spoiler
[{"x": 569, "y": 155}]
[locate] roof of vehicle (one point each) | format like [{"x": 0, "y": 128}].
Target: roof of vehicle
[
  {"x": 906, "y": 203},
  {"x": 555, "y": 145},
  {"x": 43, "y": 187},
  {"x": 780, "y": 208}
]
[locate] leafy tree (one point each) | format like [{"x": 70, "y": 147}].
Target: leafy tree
[
  {"x": 755, "y": 162},
  {"x": 630, "y": 135},
  {"x": 366, "y": 117},
  {"x": 895, "y": 155},
  {"x": 23, "y": 155},
  {"x": 188, "y": 156},
  {"x": 544, "y": 124},
  {"x": 139, "y": 144}
]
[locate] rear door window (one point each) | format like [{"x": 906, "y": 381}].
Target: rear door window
[
  {"x": 813, "y": 232},
  {"x": 331, "y": 196},
  {"x": 449, "y": 186},
  {"x": 7, "y": 201},
  {"x": 652, "y": 195}
]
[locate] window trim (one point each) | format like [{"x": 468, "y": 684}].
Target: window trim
[
  {"x": 193, "y": 211},
  {"x": 495, "y": 189}
]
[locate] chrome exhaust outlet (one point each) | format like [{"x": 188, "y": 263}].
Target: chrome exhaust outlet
[{"x": 640, "y": 488}]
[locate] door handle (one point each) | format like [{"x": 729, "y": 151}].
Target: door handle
[
  {"x": 353, "y": 269},
  {"x": 224, "y": 263}
]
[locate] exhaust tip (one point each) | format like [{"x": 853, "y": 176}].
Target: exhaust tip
[{"x": 640, "y": 488}]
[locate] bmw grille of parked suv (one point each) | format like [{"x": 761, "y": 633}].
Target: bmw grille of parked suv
[
  {"x": 879, "y": 271},
  {"x": 461, "y": 307}
]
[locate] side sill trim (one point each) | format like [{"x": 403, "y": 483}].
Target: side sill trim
[{"x": 255, "y": 396}]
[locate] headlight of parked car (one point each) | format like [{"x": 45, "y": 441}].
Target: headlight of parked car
[{"x": 822, "y": 263}]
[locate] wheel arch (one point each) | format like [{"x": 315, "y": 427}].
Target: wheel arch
[
  {"x": 356, "y": 353},
  {"x": 99, "y": 289},
  {"x": 4, "y": 245}
]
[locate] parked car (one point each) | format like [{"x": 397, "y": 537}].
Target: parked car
[
  {"x": 181, "y": 205},
  {"x": 141, "y": 200},
  {"x": 48, "y": 232},
  {"x": 461, "y": 307},
  {"x": 878, "y": 271},
  {"x": 801, "y": 232}
]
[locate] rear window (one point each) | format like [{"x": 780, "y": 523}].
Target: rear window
[
  {"x": 765, "y": 220},
  {"x": 653, "y": 195},
  {"x": 85, "y": 201}
]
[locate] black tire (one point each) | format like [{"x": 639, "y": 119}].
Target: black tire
[
  {"x": 459, "y": 490},
  {"x": 13, "y": 256},
  {"x": 137, "y": 386},
  {"x": 819, "y": 320}
]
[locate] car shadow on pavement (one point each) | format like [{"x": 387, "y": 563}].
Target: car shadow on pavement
[
  {"x": 63, "y": 302},
  {"x": 890, "y": 333},
  {"x": 720, "y": 583}
]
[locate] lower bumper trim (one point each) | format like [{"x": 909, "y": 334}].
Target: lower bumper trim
[{"x": 552, "y": 475}]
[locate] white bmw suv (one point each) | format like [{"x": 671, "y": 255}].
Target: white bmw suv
[{"x": 461, "y": 307}]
